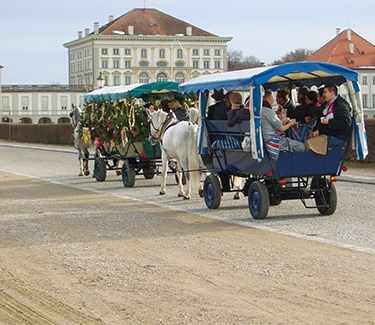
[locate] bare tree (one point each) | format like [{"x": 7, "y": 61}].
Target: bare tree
[
  {"x": 294, "y": 56},
  {"x": 237, "y": 61}
]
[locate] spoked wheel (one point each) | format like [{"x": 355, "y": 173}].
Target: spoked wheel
[
  {"x": 128, "y": 174},
  {"x": 212, "y": 192},
  {"x": 100, "y": 170},
  {"x": 325, "y": 196},
  {"x": 149, "y": 171},
  {"x": 259, "y": 200}
]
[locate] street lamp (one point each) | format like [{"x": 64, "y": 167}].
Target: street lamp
[{"x": 100, "y": 81}]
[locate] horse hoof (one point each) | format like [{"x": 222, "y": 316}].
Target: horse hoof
[
  {"x": 162, "y": 193},
  {"x": 186, "y": 198},
  {"x": 200, "y": 193},
  {"x": 87, "y": 173},
  {"x": 181, "y": 195},
  {"x": 80, "y": 174}
]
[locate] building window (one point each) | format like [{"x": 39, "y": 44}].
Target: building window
[
  {"x": 364, "y": 80},
  {"x": 365, "y": 101},
  {"x": 161, "y": 77},
  {"x": 128, "y": 52},
  {"x": 25, "y": 103},
  {"x": 116, "y": 51},
  {"x": 5, "y": 103},
  {"x": 64, "y": 103},
  {"x": 116, "y": 79},
  {"x": 116, "y": 64},
  {"x": 104, "y": 64},
  {"x": 180, "y": 54},
  {"x": 196, "y": 64},
  {"x": 106, "y": 79},
  {"x": 162, "y": 64},
  {"x": 143, "y": 63},
  {"x": 144, "y": 78},
  {"x": 206, "y": 52},
  {"x": 218, "y": 65},
  {"x": 162, "y": 53},
  {"x": 180, "y": 77},
  {"x": 206, "y": 64},
  {"x": 180, "y": 64},
  {"x": 104, "y": 51},
  {"x": 217, "y": 52},
  {"x": 144, "y": 53},
  {"x": 128, "y": 64},
  {"x": 195, "y": 52},
  {"x": 44, "y": 103},
  {"x": 373, "y": 101},
  {"x": 128, "y": 80}
]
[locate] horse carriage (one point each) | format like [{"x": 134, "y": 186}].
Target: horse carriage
[
  {"x": 116, "y": 118},
  {"x": 305, "y": 176}
]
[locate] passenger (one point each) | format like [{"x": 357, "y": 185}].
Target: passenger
[
  {"x": 179, "y": 110},
  {"x": 336, "y": 120},
  {"x": 314, "y": 111},
  {"x": 274, "y": 130},
  {"x": 285, "y": 102},
  {"x": 219, "y": 110},
  {"x": 302, "y": 109},
  {"x": 238, "y": 112}
]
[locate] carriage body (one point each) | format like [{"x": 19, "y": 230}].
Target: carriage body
[
  {"x": 138, "y": 154},
  {"x": 295, "y": 175}
]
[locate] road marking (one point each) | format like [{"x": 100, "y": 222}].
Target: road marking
[{"x": 209, "y": 216}]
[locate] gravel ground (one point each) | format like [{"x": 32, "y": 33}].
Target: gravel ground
[{"x": 69, "y": 256}]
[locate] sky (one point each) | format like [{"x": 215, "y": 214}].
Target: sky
[{"x": 32, "y": 31}]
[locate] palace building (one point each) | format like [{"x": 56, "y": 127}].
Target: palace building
[
  {"x": 141, "y": 46},
  {"x": 353, "y": 51}
]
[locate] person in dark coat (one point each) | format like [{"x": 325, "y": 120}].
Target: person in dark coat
[
  {"x": 179, "y": 110},
  {"x": 238, "y": 112},
  {"x": 302, "y": 109},
  {"x": 219, "y": 110},
  {"x": 336, "y": 120},
  {"x": 285, "y": 102}
]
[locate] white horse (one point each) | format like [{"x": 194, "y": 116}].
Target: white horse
[
  {"x": 178, "y": 142},
  {"x": 82, "y": 148}
]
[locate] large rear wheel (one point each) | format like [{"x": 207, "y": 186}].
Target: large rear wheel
[
  {"x": 325, "y": 196},
  {"x": 212, "y": 192},
  {"x": 259, "y": 200}
]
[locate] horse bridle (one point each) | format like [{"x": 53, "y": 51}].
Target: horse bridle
[{"x": 160, "y": 131}]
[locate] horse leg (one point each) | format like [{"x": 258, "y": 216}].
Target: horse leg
[
  {"x": 86, "y": 163},
  {"x": 179, "y": 173},
  {"x": 164, "y": 170}
]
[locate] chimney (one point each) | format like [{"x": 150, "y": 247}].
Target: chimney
[
  {"x": 87, "y": 31},
  {"x": 349, "y": 34},
  {"x": 79, "y": 34},
  {"x": 131, "y": 30},
  {"x": 351, "y": 48},
  {"x": 96, "y": 27},
  {"x": 110, "y": 18},
  {"x": 338, "y": 31},
  {"x": 189, "y": 31}
]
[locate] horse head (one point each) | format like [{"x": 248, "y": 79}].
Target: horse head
[{"x": 158, "y": 120}]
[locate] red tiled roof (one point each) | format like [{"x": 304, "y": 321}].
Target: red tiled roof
[
  {"x": 338, "y": 51},
  {"x": 150, "y": 22}
]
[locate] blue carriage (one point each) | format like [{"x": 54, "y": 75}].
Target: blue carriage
[{"x": 304, "y": 176}]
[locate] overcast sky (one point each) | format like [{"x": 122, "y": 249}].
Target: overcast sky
[{"x": 32, "y": 32}]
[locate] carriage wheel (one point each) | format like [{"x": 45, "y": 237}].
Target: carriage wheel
[
  {"x": 128, "y": 174},
  {"x": 100, "y": 170},
  {"x": 212, "y": 192},
  {"x": 149, "y": 171},
  {"x": 325, "y": 196},
  {"x": 259, "y": 200}
]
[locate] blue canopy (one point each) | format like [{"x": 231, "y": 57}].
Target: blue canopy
[
  {"x": 111, "y": 94},
  {"x": 274, "y": 77}
]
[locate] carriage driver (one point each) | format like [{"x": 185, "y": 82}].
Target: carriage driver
[{"x": 179, "y": 110}]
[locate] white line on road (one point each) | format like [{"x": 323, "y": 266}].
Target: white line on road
[{"x": 209, "y": 216}]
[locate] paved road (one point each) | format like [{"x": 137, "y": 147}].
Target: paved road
[
  {"x": 70, "y": 256},
  {"x": 353, "y": 224}
]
